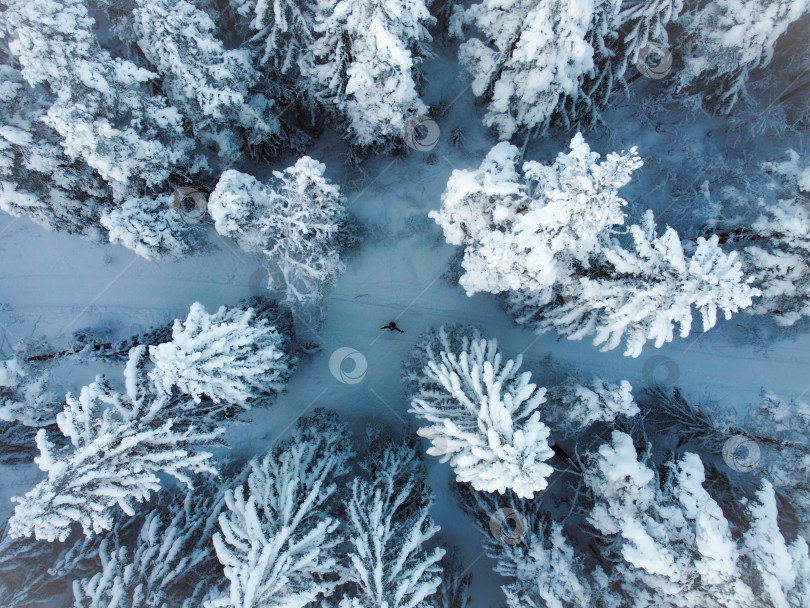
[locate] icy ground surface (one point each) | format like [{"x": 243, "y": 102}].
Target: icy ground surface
[{"x": 54, "y": 284}]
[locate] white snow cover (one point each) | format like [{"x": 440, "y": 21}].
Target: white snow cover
[
  {"x": 227, "y": 356},
  {"x": 389, "y": 527},
  {"x": 277, "y": 538},
  {"x": 540, "y": 55},
  {"x": 293, "y": 220},
  {"x": 484, "y": 419},
  {"x": 525, "y": 231},
  {"x": 362, "y": 64},
  {"x": 119, "y": 444}
]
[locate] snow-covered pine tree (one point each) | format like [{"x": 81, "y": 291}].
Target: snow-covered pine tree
[
  {"x": 675, "y": 544},
  {"x": 301, "y": 231},
  {"x": 454, "y": 591},
  {"x": 596, "y": 401},
  {"x": 170, "y": 562},
  {"x": 544, "y": 571},
  {"x": 781, "y": 429},
  {"x": 101, "y": 109},
  {"x": 207, "y": 83},
  {"x": 783, "y": 568},
  {"x": 278, "y": 534},
  {"x": 294, "y": 220},
  {"x": 37, "y": 179},
  {"x": 644, "y": 294},
  {"x": 429, "y": 346},
  {"x": 364, "y": 65},
  {"x": 527, "y": 232},
  {"x": 118, "y": 445},
  {"x": 151, "y": 228},
  {"x": 26, "y": 405},
  {"x": 484, "y": 420},
  {"x": 34, "y": 573},
  {"x": 725, "y": 40},
  {"x": 534, "y": 61},
  {"x": 780, "y": 255},
  {"x": 228, "y": 356},
  {"x": 281, "y": 35},
  {"x": 619, "y": 31},
  {"x": 390, "y": 564}
]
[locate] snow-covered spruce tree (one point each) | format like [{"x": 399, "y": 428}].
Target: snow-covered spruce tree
[
  {"x": 545, "y": 63},
  {"x": 454, "y": 591},
  {"x": 429, "y": 346},
  {"x": 26, "y": 405},
  {"x": 779, "y": 253},
  {"x": 529, "y": 231},
  {"x": 34, "y": 573},
  {"x": 536, "y": 56},
  {"x": 293, "y": 219},
  {"x": 674, "y": 544},
  {"x": 37, "y": 178},
  {"x": 364, "y": 65},
  {"x": 644, "y": 292},
  {"x": 207, "y": 83},
  {"x": 228, "y": 356},
  {"x": 102, "y": 110},
  {"x": 542, "y": 567},
  {"x": 725, "y": 40},
  {"x": 278, "y": 534},
  {"x": 781, "y": 429},
  {"x": 572, "y": 402},
  {"x": 23, "y": 574},
  {"x": 117, "y": 448},
  {"x": 595, "y": 401},
  {"x": 783, "y": 568},
  {"x": 171, "y": 561},
  {"x": 151, "y": 227},
  {"x": 619, "y": 31},
  {"x": 484, "y": 419},
  {"x": 389, "y": 527},
  {"x": 281, "y": 35},
  {"x": 545, "y": 571}
]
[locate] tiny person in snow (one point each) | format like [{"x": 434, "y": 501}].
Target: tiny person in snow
[{"x": 393, "y": 327}]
